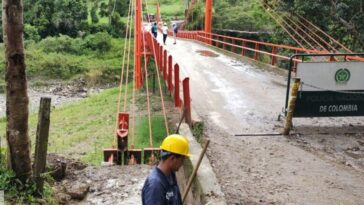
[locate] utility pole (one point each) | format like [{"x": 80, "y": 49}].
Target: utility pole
[{"x": 16, "y": 90}]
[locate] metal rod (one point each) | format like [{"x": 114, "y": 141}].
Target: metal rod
[
  {"x": 258, "y": 134},
  {"x": 192, "y": 177},
  {"x": 288, "y": 83},
  {"x": 180, "y": 122}
]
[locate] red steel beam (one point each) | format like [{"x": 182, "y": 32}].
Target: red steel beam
[
  {"x": 177, "y": 100},
  {"x": 137, "y": 44},
  {"x": 165, "y": 64},
  {"x": 208, "y": 20},
  {"x": 170, "y": 74},
  {"x": 187, "y": 100}
]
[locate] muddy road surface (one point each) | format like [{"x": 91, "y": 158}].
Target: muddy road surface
[{"x": 321, "y": 162}]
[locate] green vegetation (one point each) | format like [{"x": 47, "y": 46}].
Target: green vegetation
[
  {"x": 171, "y": 9},
  {"x": 97, "y": 57},
  {"x": 343, "y": 20},
  {"x": 142, "y": 132},
  {"x": 244, "y": 15},
  {"x": 84, "y": 128},
  {"x": 17, "y": 192}
]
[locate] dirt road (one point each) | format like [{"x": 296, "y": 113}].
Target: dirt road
[{"x": 322, "y": 162}]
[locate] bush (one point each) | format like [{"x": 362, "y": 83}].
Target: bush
[
  {"x": 17, "y": 192},
  {"x": 117, "y": 27},
  {"x": 31, "y": 33},
  {"x": 62, "y": 44},
  {"x": 98, "y": 42},
  {"x": 57, "y": 66},
  {"x": 96, "y": 28}
]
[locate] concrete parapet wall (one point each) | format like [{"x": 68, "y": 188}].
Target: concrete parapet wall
[{"x": 205, "y": 189}]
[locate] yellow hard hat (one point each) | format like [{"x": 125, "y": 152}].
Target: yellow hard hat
[{"x": 176, "y": 144}]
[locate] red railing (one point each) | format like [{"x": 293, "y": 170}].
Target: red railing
[
  {"x": 170, "y": 72},
  {"x": 269, "y": 53}
]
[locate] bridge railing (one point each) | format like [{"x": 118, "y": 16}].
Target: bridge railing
[
  {"x": 270, "y": 53},
  {"x": 175, "y": 84}
]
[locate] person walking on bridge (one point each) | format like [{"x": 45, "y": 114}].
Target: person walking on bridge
[
  {"x": 154, "y": 29},
  {"x": 160, "y": 187},
  {"x": 165, "y": 33},
  {"x": 175, "y": 30}
]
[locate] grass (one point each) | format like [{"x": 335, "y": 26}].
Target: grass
[
  {"x": 2, "y": 86},
  {"x": 83, "y": 129},
  {"x": 98, "y": 67},
  {"x": 142, "y": 132},
  {"x": 169, "y": 9}
]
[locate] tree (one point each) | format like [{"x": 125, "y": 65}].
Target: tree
[
  {"x": 342, "y": 19},
  {"x": 93, "y": 14},
  {"x": 52, "y": 17},
  {"x": 16, "y": 90}
]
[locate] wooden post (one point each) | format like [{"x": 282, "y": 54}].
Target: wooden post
[
  {"x": 41, "y": 144},
  {"x": 291, "y": 106}
]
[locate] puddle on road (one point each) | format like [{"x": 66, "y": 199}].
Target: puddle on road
[{"x": 207, "y": 53}]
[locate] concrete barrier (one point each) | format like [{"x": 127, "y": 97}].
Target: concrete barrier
[{"x": 205, "y": 189}]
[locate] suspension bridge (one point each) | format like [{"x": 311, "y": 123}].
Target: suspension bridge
[{"x": 221, "y": 78}]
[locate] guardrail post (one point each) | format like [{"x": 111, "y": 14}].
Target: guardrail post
[
  {"x": 224, "y": 45},
  {"x": 157, "y": 53},
  {"x": 160, "y": 56},
  {"x": 233, "y": 47},
  {"x": 273, "y": 58},
  {"x": 332, "y": 58},
  {"x": 165, "y": 64},
  {"x": 187, "y": 100},
  {"x": 243, "y": 51},
  {"x": 154, "y": 48},
  {"x": 177, "y": 100},
  {"x": 256, "y": 54},
  {"x": 170, "y": 74}
]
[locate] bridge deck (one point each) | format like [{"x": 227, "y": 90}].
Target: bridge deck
[{"x": 234, "y": 98}]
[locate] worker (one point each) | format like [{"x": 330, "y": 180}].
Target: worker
[
  {"x": 160, "y": 187},
  {"x": 165, "y": 33}
]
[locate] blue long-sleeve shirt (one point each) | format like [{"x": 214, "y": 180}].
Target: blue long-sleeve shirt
[{"x": 159, "y": 189}]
